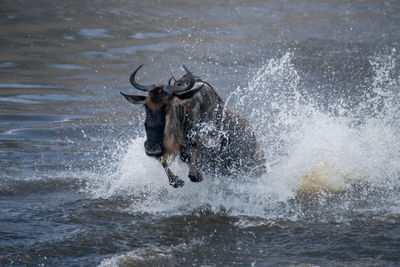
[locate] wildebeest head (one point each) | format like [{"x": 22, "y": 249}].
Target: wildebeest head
[{"x": 161, "y": 123}]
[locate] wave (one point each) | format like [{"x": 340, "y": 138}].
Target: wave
[
  {"x": 11, "y": 186},
  {"x": 152, "y": 256}
]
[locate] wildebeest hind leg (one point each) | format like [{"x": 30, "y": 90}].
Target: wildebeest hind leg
[
  {"x": 174, "y": 180},
  {"x": 194, "y": 173}
]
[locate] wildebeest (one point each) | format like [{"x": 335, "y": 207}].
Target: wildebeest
[{"x": 187, "y": 117}]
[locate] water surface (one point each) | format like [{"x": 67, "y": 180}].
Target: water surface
[{"x": 318, "y": 80}]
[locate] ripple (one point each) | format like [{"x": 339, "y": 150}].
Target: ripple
[
  {"x": 16, "y": 99},
  {"x": 37, "y": 99},
  {"x": 158, "y": 47},
  {"x": 136, "y": 48},
  {"x": 24, "y": 86},
  {"x": 68, "y": 67},
  {"x": 244, "y": 223},
  {"x": 153, "y": 35},
  {"x": 151, "y": 256},
  {"x": 94, "y": 33},
  {"x": 33, "y": 119},
  {"x": 9, "y": 187},
  {"x": 7, "y": 65},
  {"x": 69, "y": 37}
]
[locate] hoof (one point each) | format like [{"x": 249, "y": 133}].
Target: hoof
[
  {"x": 177, "y": 183},
  {"x": 195, "y": 176}
]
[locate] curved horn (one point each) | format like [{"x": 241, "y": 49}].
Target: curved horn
[
  {"x": 172, "y": 89},
  {"x": 139, "y": 86},
  {"x": 187, "y": 70},
  {"x": 171, "y": 79}
]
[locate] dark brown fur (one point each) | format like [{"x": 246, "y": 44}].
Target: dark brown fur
[{"x": 205, "y": 133}]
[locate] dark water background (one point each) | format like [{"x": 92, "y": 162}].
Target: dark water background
[{"x": 319, "y": 80}]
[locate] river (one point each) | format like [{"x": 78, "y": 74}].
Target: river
[{"x": 318, "y": 80}]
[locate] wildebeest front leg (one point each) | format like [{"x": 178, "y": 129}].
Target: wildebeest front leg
[
  {"x": 172, "y": 178},
  {"x": 194, "y": 173}
]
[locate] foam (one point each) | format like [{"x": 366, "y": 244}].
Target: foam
[{"x": 310, "y": 151}]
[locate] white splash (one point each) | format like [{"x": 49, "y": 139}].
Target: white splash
[{"x": 308, "y": 149}]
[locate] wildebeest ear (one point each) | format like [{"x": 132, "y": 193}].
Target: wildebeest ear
[
  {"x": 188, "y": 94},
  {"x": 135, "y": 99}
]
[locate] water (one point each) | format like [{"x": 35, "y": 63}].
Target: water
[{"x": 319, "y": 81}]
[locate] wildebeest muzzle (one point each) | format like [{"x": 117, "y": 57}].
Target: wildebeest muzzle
[{"x": 153, "y": 150}]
